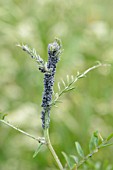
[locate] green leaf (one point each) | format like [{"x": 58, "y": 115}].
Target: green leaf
[
  {"x": 93, "y": 141},
  {"x": 75, "y": 158},
  {"x": 109, "y": 137},
  {"x": 3, "y": 117},
  {"x": 96, "y": 136},
  {"x": 79, "y": 149},
  {"x": 100, "y": 138},
  {"x": 105, "y": 145},
  {"x": 63, "y": 82},
  {"x": 37, "y": 150},
  {"x": 67, "y": 160}
]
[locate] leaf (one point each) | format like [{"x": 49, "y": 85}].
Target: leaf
[
  {"x": 37, "y": 150},
  {"x": 96, "y": 135},
  {"x": 72, "y": 78},
  {"x": 78, "y": 73},
  {"x": 75, "y": 158},
  {"x": 34, "y": 51},
  {"x": 67, "y": 78},
  {"x": 109, "y": 137},
  {"x": 63, "y": 82},
  {"x": 79, "y": 149},
  {"x": 3, "y": 117},
  {"x": 59, "y": 88},
  {"x": 67, "y": 159},
  {"x": 100, "y": 137},
  {"x": 105, "y": 145},
  {"x": 93, "y": 141}
]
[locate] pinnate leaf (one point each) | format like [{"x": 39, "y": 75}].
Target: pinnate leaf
[
  {"x": 37, "y": 150},
  {"x": 79, "y": 149},
  {"x": 105, "y": 145},
  {"x": 67, "y": 160},
  {"x": 75, "y": 158},
  {"x": 94, "y": 141},
  {"x": 109, "y": 137}
]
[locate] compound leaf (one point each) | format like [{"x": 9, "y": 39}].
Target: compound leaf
[{"x": 79, "y": 149}]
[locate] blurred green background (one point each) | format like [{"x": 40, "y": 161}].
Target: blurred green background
[{"x": 86, "y": 30}]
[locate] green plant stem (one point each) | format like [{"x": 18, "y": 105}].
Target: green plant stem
[
  {"x": 50, "y": 147},
  {"x": 87, "y": 157},
  {"x": 101, "y": 145},
  {"x": 39, "y": 139}
]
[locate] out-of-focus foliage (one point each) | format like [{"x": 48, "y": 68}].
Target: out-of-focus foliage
[{"x": 86, "y": 30}]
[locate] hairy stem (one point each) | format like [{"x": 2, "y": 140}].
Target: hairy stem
[
  {"x": 39, "y": 139},
  {"x": 51, "y": 149}
]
